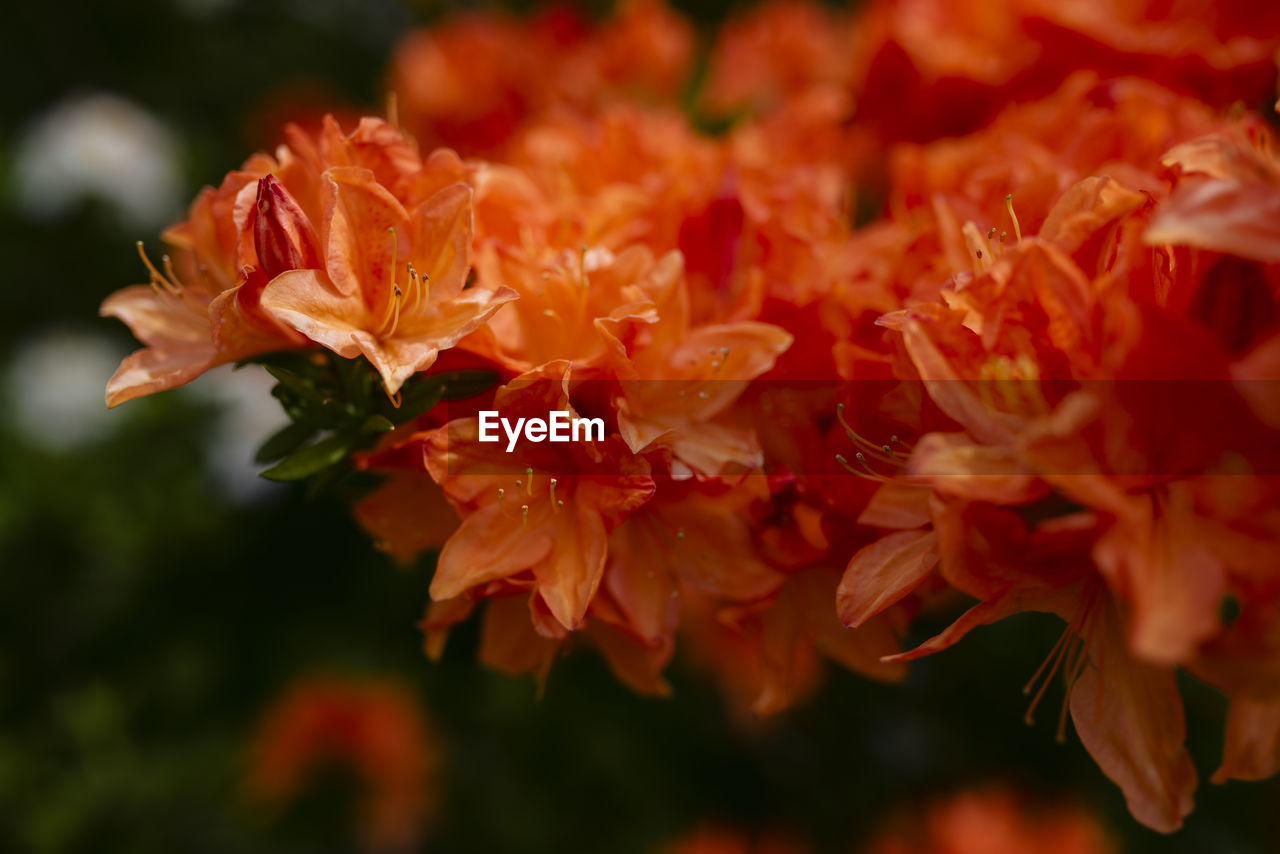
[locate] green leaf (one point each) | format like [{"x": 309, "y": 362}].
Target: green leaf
[
  {"x": 354, "y": 377},
  {"x": 284, "y": 442},
  {"x": 419, "y": 401},
  {"x": 377, "y": 424},
  {"x": 296, "y": 384},
  {"x": 311, "y": 459}
]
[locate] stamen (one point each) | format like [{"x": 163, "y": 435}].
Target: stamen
[
  {"x": 169, "y": 286},
  {"x": 412, "y": 296},
  {"x": 173, "y": 277},
  {"x": 1017, "y": 229},
  {"x": 1056, "y": 657},
  {"x": 391, "y": 313},
  {"x": 556, "y": 505},
  {"x": 396, "y": 295},
  {"x": 524, "y": 515},
  {"x": 867, "y": 473},
  {"x": 1073, "y": 674},
  {"x": 528, "y": 488},
  {"x": 1053, "y": 652},
  {"x": 877, "y": 451},
  {"x": 1075, "y": 656}
]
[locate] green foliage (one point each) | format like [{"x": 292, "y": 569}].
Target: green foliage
[{"x": 343, "y": 400}]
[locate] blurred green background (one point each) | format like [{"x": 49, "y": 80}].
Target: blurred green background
[{"x": 155, "y": 598}]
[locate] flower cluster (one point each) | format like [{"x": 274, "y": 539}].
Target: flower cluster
[{"x": 848, "y": 369}]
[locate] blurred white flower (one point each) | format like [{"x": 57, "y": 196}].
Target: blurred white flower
[
  {"x": 55, "y": 388},
  {"x": 99, "y": 146},
  {"x": 248, "y": 415}
]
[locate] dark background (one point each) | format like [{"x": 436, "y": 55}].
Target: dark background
[{"x": 152, "y": 605}]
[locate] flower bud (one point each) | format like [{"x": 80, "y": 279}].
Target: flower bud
[{"x": 282, "y": 234}]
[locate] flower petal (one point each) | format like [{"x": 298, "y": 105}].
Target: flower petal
[
  {"x": 882, "y": 573},
  {"x": 1252, "y": 749},
  {"x": 489, "y": 545},
  {"x": 571, "y": 572},
  {"x": 1129, "y": 716}
]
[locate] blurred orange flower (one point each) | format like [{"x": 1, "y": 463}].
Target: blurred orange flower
[
  {"x": 995, "y": 821},
  {"x": 374, "y": 729}
]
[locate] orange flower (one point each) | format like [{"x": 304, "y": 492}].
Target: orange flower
[
  {"x": 469, "y": 83},
  {"x": 955, "y": 64},
  {"x": 767, "y": 654},
  {"x": 621, "y": 175},
  {"x": 247, "y": 273},
  {"x": 643, "y": 52},
  {"x": 693, "y": 537},
  {"x": 476, "y": 81},
  {"x": 392, "y": 284},
  {"x": 407, "y": 515},
  {"x": 1053, "y": 355},
  {"x": 374, "y": 728},
  {"x": 774, "y": 52},
  {"x": 203, "y": 310},
  {"x": 677, "y": 380},
  {"x": 566, "y": 300},
  {"x": 1127, "y": 713},
  {"x": 550, "y": 523},
  {"x": 995, "y": 821}
]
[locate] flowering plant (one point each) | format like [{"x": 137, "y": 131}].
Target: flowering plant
[{"x": 1039, "y": 376}]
